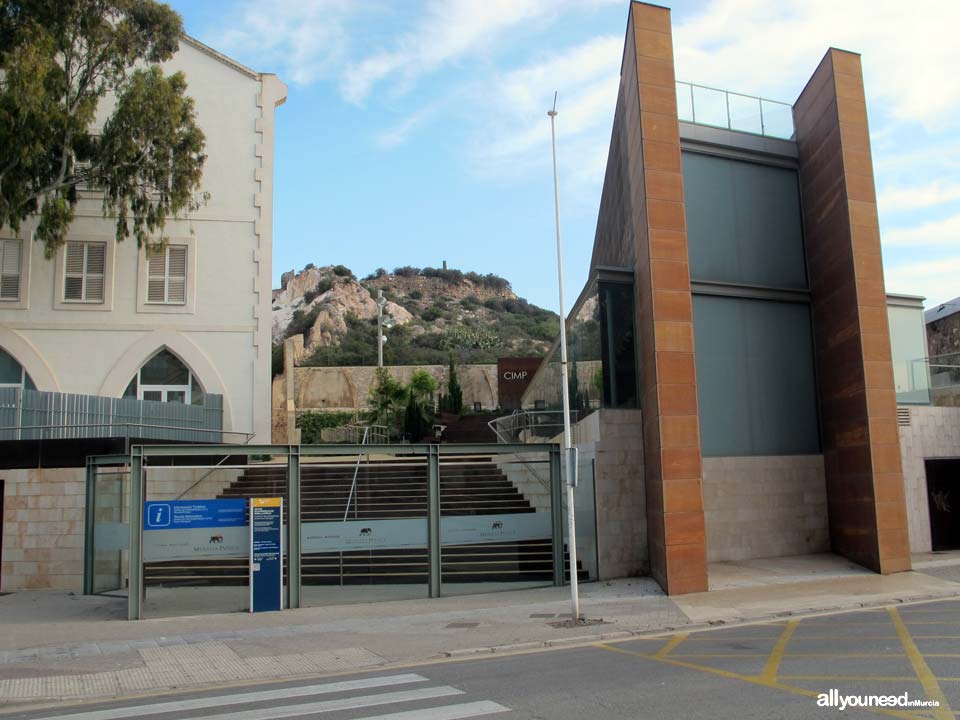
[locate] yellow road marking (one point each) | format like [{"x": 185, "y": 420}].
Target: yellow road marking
[
  {"x": 752, "y": 679},
  {"x": 927, "y": 679},
  {"x": 776, "y": 655},
  {"x": 853, "y": 678},
  {"x": 674, "y": 641}
]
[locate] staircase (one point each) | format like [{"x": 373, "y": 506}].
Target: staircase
[
  {"x": 473, "y": 428},
  {"x": 394, "y": 489}
]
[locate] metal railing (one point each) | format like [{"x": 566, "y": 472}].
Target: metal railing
[
  {"x": 356, "y": 472},
  {"x": 531, "y": 426},
  {"x": 37, "y": 415},
  {"x": 354, "y": 434},
  {"x": 704, "y": 105}
]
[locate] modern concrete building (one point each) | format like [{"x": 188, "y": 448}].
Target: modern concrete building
[
  {"x": 735, "y": 333},
  {"x": 189, "y": 327}
]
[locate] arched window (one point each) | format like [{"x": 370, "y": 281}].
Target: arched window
[
  {"x": 165, "y": 378},
  {"x": 12, "y": 374}
]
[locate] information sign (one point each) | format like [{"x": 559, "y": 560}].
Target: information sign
[{"x": 266, "y": 554}]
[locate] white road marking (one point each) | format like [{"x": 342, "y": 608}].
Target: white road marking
[
  {"x": 334, "y": 705},
  {"x": 447, "y": 712},
  {"x": 180, "y": 706}
]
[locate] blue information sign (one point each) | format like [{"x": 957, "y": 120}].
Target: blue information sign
[
  {"x": 266, "y": 554},
  {"x": 187, "y": 514}
]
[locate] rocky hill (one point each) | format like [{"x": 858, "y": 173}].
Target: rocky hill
[{"x": 436, "y": 313}]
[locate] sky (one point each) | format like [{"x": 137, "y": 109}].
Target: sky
[{"x": 415, "y": 131}]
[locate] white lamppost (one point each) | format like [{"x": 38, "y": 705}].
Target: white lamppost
[
  {"x": 381, "y": 302},
  {"x": 565, "y": 386}
]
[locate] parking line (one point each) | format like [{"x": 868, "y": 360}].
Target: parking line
[
  {"x": 927, "y": 679},
  {"x": 776, "y": 655},
  {"x": 674, "y": 641},
  {"x": 752, "y": 679}
]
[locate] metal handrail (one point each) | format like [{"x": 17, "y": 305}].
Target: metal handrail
[
  {"x": 356, "y": 472},
  {"x": 521, "y": 415},
  {"x": 520, "y": 421},
  {"x": 213, "y": 469}
]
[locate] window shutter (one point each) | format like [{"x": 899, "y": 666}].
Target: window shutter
[
  {"x": 177, "y": 274},
  {"x": 83, "y": 271},
  {"x": 156, "y": 277},
  {"x": 10, "y": 269},
  {"x": 96, "y": 264},
  {"x": 73, "y": 272}
]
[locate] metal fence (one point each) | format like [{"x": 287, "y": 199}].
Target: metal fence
[
  {"x": 130, "y": 537},
  {"x": 36, "y": 415}
]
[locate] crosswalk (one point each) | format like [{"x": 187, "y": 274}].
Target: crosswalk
[{"x": 406, "y": 696}]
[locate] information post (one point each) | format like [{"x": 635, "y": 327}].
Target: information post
[{"x": 266, "y": 554}]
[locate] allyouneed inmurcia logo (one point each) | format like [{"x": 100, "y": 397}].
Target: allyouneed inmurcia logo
[{"x": 833, "y": 698}]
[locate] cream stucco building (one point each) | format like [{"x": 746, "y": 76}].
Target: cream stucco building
[
  {"x": 188, "y": 327},
  {"x": 88, "y": 320}
]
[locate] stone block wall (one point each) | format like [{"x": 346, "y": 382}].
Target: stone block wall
[
  {"x": 44, "y": 520},
  {"x": 43, "y": 526},
  {"x": 611, "y": 440},
  {"x": 932, "y": 432},
  {"x": 765, "y": 506}
]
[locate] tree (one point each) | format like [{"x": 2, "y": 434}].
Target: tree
[
  {"x": 387, "y": 396},
  {"x": 453, "y": 400},
  {"x": 59, "y": 62}
]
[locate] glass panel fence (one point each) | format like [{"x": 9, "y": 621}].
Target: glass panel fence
[
  {"x": 363, "y": 528},
  {"x": 196, "y": 533},
  {"x": 111, "y": 531},
  {"x": 734, "y": 111},
  {"x": 495, "y": 522},
  {"x": 585, "y": 512}
]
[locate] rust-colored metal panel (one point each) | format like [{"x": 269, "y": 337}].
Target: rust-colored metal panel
[{"x": 866, "y": 505}]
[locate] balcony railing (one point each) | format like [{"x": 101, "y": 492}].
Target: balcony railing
[
  {"x": 744, "y": 113},
  {"x": 35, "y": 415}
]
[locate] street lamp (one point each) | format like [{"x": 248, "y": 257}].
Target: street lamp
[
  {"x": 569, "y": 453},
  {"x": 381, "y": 302}
]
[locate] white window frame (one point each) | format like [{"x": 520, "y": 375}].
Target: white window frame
[
  {"x": 60, "y": 275},
  {"x": 165, "y": 253},
  {"x": 23, "y": 374},
  {"x": 190, "y": 288},
  {"x": 22, "y": 301},
  {"x": 85, "y": 275},
  {"x": 165, "y": 390}
]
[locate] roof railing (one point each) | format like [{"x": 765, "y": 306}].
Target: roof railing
[{"x": 703, "y": 105}]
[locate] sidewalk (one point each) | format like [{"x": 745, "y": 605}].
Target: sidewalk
[{"x": 62, "y": 647}]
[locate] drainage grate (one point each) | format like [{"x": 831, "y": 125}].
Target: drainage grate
[
  {"x": 462, "y": 625},
  {"x": 903, "y": 416}
]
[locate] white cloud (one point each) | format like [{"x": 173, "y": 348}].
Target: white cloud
[
  {"x": 902, "y": 198},
  {"x": 399, "y": 133},
  {"x": 513, "y": 130},
  {"x": 302, "y": 41},
  {"x": 945, "y": 232},
  {"x": 934, "y": 279},
  {"x": 910, "y": 54}
]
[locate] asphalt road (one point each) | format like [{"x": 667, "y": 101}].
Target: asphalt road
[{"x": 770, "y": 670}]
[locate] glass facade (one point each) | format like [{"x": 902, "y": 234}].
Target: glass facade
[
  {"x": 743, "y": 222},
  {"x": 755, "y": 377},
  {"x": 908, "y": 350},
  {"x": 751, "y": 312},
  {"x": 600, "y": 352}
]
